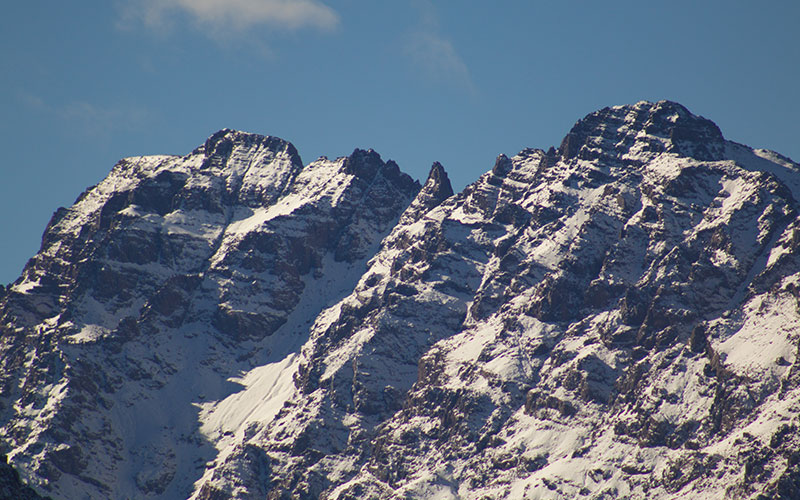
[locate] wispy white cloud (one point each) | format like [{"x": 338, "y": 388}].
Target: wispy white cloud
[
  {"x": 435, "y": 54},
  {"x": 437, "y": 57},
  {"x": 230, "y": 16}
]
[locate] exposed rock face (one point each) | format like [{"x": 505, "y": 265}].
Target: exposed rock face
[
  {"x": 162, "y": 282},
  {"x": 11, "y": 488},
  {"x": 615, "y": 318}
]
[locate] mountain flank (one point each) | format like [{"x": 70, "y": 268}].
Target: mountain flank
[{"x": 617, "y": 317}]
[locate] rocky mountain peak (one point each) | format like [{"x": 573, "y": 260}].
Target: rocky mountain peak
[
  {"x": 181, "y": 257},
  {"x": 438, "y": 183},
  {"x": 222, "y": 143},
  {"x": 368, "y": 166},
  {"x": 502, "y": 166},
  {"x": 436, "y": 189},
  {"x": 363, "y": 163},
  {"x": 637, "y": 132}
]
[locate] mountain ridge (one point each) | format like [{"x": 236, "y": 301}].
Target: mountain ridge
[{"x": 617, "y": 317}]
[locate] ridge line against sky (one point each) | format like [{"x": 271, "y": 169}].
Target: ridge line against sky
[{"x": 87, "y": 83}]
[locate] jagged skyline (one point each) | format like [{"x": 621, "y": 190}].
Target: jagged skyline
[
  {"x": 86, "y": 84},
  {"x": 615, "y": 317}
]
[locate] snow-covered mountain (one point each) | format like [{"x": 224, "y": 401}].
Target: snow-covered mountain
[{"x": 615, "y": 318}]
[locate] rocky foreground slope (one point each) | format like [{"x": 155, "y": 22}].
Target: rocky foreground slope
[{"x": 615, "y": 318}]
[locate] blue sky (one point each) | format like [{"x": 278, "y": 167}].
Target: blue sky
[{"x": 85, "y": 83}]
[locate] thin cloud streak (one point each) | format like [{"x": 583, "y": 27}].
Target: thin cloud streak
[
  {"x": 437, "y": 57},
  {"x": 231, "y": 16},
  {"x": 434, "y": 54}
]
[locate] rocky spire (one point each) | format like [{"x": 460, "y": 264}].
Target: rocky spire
[{"x": 437, "y": 188}]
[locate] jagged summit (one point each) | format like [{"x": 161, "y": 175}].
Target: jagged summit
[
  {"x": 438, "y": 183},
  {"x": 618, "y": 318},
  {"x": 222, "y": 142},
  {"x": 437, "y": 189},
  {"x": 502, "y": 166},
  {"x": 187, "y": 258},
  {"x": 366, "y": 164},
  {"x": 643, "y": 128}
]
